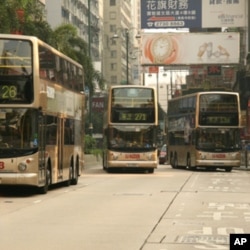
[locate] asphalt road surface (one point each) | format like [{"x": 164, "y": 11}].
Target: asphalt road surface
[{"x": 172, "y": 209}]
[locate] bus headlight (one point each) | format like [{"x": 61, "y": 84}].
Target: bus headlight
[
  {"x": 149, "y": 156},
  {"x": 202, "y": 156},
  {"x": 22, "y": 166},
  {"x": 114, "y": 156}
]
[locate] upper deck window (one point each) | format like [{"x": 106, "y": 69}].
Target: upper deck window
[
  {"x": 132, "y": 97},
  {"x": 16, "y": 70}
]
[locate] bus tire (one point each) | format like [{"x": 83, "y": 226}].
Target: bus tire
[
  {"x": 104, "y": 165},
  {"x": 151, "y": 170},
  {"x": 44, "y": 189},
  {"x": 74, "y": 180},
  {"x": 188, "y": 162},
  {"x": 70, "y": 177},
  {"x": 229, "y": 169},
  {"x": 171, "y": 161},
  {"x": 175, "y": 163}
]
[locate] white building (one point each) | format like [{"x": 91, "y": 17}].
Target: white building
[{"x": 76, "y": 12}]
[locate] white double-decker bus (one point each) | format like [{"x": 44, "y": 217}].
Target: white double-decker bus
[
  {"x": 41, "y": 114},
  {"x": 130, "y": 128},
  {"x": 204, "y": 130}
]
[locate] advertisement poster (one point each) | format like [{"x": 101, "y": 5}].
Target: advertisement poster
[
  {"x": 223, "y": 13},
  {"x": 190, "y": 48},
  {"x": 170, "y": 14},
  {"x": 160, "y": 14}
]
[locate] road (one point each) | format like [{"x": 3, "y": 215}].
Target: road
[{"x": 172, "y": 209}]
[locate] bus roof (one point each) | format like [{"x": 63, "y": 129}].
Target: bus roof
[
  {"x": 204, "y": 92},
  {"x": 39, "y": 41}
]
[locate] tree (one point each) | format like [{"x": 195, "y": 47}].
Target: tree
[
  {"x": 16, "y": 16},
  {"x": 65, "y": 39},
  {"x": 27, "y": 17}
]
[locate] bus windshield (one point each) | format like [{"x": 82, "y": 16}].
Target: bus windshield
[
  {"x": 131, "y": 137},
  {"x": 18, "y": 129},
  {"x": 215, "y": 139},
  {"x": 15, "y": 71}
]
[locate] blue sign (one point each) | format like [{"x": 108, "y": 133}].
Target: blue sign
[{"x": 160, "y": 14}]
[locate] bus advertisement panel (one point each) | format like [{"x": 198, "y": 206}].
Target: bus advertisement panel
[
  {"x": 41, "y": 114},
  {"x": 204, "y": 130},
  {"x": 130, "y": 129}
]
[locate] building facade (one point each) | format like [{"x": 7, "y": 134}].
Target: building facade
[
  {"x": 119, "y": 43},
  {"x": 79, "y": 13}
]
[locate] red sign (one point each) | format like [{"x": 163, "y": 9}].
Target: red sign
[
  {"x": 132, "y": 156},
  {"x": 153, "y": 69},
  {"x": 1, "y": 165},
  {"x": 219, "y": 156}
]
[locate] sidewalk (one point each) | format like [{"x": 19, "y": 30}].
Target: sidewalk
[
  {"x": 244, "y": 168},
  {"x": 91, "y": 160}
]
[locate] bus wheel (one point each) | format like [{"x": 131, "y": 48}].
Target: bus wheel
[
  {"x": 104, "y": 164},
  {"x": 175, "y": 164},
  {"x": 75, "y": 175},
  {"x": 171, "y": 161},
  {"x": 228, "y": 169},
  {"x": 189, "y": 164},
  {"x": 70, "y": 178},
  {"x": 44, "y": 189},
  {"x": 151, "y": 170}
]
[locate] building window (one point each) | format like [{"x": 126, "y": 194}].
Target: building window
[
  {"x": 113, "y": 79},
  {"x": 113, "y": 41},
  {"x": 112, "y": 2},
  {"x": 113, "y": 66},
  {"x": 113, "y": 54},
  {"x": 112, "y": 28},
  {"x": 112, "y": 15}
]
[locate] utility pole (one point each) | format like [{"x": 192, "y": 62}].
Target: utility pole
[
  {"x": 89, "y": 52},
  {"x": 127, "y": 58}
]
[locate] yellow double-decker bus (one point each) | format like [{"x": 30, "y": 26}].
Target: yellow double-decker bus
[
  {"x": 130, "y": 128},
  {"x": 204, "y": 130},
  {"x": 41, "y": 114}
]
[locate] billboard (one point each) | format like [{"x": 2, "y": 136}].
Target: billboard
[
  {"x": 170, "y": 14},
  {"x": 223, "y": 13},
  {"x": 190, "y": 48},
  {"x": 157, "y": 14}
]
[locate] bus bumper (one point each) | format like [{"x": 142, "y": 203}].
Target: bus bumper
[
  {"x": 19, "y": 179},
  {"x": 133, "y": 164},
  {"x": 218, "y": 164}
]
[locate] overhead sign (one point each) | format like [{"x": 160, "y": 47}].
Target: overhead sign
[
  {"x": 157, "y": 14},
  {"x": 170, "y": 14},
  {"x": 190, "y": 48}
]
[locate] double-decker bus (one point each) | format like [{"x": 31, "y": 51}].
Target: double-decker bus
[
  {"x": 41, "y": 114},
  {"x": 130, "y": 128},
  {"x": 204, "y": 130}
]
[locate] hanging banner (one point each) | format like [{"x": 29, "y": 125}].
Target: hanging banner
[{"x": 190, "y": 48}]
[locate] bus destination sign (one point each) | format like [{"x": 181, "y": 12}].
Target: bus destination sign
[{"x": 129, "y": 117}]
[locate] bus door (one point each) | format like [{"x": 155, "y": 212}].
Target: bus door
[
  {"x": 41, "y": 146},
  {"x": 60, "y": 130}
]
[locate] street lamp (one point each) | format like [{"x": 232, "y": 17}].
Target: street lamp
[{"x": 138, "y": 36}]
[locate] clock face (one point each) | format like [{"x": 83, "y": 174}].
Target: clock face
[{"x": 161, "y": 48}]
